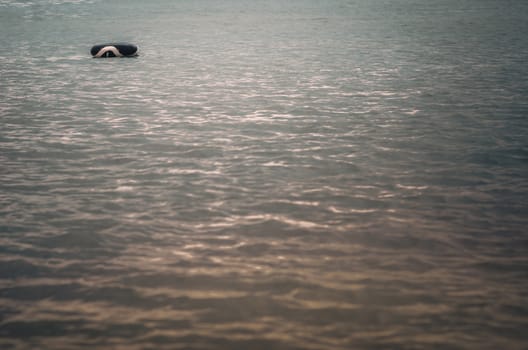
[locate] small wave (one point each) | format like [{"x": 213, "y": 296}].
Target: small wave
[
  {"x": 351, "y": 210},
  {"x": 410, "y": 187},
  {"x": 240, "y": 221}
]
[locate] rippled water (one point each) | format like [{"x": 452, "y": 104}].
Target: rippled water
[{"x": 265, "y": 175}]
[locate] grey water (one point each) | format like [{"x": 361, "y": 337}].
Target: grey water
[{"x": 341, "y": 174}]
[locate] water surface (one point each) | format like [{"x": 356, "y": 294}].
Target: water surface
[{"x": 265, "y": 175}]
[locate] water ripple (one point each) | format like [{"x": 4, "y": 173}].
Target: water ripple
[{"x": 263, "y": 176}]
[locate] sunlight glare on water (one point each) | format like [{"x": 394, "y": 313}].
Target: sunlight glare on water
[{"x": 264, "y": 175}]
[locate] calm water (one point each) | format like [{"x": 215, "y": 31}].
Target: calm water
[{"x": 342, "y": 174}]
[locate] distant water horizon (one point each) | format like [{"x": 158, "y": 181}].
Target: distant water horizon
[{"x": 325, "y": 175}]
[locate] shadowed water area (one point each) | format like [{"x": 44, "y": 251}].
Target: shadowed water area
[{"x": 342, "y": 174}]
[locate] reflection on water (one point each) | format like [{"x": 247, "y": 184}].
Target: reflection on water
[{"x": 306, "y": 175}]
